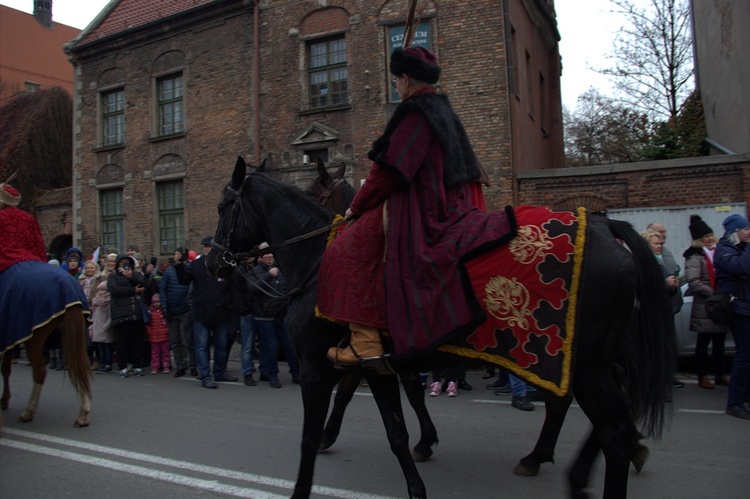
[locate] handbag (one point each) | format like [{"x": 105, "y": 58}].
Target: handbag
[{"x": 719, "y": 308}]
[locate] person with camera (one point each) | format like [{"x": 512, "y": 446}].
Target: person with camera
[
  {"x": 126, "y": 286},
  {"x": 175, "y": 307},
  {"x": 732, "y": 264}
]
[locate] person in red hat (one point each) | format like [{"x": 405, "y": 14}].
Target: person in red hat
[
  {"x": 395, "y": 267},
  {"x": 24, "y": 305}
]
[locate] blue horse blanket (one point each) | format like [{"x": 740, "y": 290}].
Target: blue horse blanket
[{"x": 32, "y": 293}]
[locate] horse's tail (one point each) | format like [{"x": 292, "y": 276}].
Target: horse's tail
[
  {"x": 648, "y": 352},
  {"x": 73, "y": 331}
]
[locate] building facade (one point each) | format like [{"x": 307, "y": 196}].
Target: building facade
[{"x": 166, "y": 99}]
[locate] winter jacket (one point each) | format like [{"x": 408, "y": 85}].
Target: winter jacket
[
  {"x": 211, "y": 295},
  {"x": 264, "y": 306},
  {"x": 174, "y": 296},
  {"x": 157, "y": 330},
  {"x": 102, "y": 326},
  {"x": 732, "y": 264},
  {"x": 125, "y": 303},
  {"x": 699, "y": 285},
  {"x": 242, "y": 298}
]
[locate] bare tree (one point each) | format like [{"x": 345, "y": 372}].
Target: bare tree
[
  {"x": 601, "y": 131},
  {"x": 653, "y": 57}
]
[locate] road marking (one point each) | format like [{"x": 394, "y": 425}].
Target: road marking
[
  {"x": 210, "y": 485},
  {"x": 209, "y": 470},
  {"x": 700, "y": 411}
]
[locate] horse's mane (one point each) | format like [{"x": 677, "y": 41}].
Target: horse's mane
[{"x": 300, "y": 210}]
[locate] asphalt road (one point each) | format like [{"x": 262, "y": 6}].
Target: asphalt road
[{"x": 158, "y": 436}]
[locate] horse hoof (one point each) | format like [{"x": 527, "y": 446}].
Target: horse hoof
[
  {"x": 326, "y": 443},
  {"x": 639, "y": 458},
  {"x": 419, "y": 456},
  {"x": 25, "y": 418},
  {"x": 81, "y": 424},
  {"x": 523, "y": 470}
]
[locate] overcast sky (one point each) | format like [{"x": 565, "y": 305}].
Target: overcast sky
[{"x": 586, "y": 28}]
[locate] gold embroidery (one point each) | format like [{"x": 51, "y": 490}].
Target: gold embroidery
[
  {"x": 530, "y": 244},
  {"x": 508, "y": 300}
]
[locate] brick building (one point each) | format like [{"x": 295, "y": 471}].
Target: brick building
[{"x": 167, "y": 95}]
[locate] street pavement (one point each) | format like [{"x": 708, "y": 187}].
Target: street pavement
[{"x": 158, "y": 436}]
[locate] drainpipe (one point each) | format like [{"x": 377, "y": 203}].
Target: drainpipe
[
  {"x": 256, "y": 80},
  {"x": 510, "y": 56}
]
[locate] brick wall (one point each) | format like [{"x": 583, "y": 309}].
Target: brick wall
[{"x": 680, "y": 182}]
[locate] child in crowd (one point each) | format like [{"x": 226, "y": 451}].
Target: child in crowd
[
  {"x": 101, "y": 332},
  {"x": 158, "y": 336}
]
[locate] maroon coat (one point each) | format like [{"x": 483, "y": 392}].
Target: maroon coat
[{"x": 409, "y": 282}]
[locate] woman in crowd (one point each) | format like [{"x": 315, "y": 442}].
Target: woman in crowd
[{"x": 701, "y": 279}]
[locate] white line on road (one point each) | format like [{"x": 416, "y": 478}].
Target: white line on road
[
  {"x": 210, "y": 485},
  {"x": 208, "y": 470}
]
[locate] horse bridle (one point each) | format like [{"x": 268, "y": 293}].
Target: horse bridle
[
  {"x": 326, "y": 194},
  {"x": 230, "y": 259}
]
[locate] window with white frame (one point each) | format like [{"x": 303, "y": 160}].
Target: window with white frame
[
  {"x": 170, "y": 103},
  {"x": 113, "y": 117},
  {"x": 328, "y": 82}
]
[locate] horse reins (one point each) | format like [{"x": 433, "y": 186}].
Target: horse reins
[{"x": 234, "y": 260}]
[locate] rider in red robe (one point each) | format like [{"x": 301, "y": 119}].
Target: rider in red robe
[{"x": 397, "y": 267}]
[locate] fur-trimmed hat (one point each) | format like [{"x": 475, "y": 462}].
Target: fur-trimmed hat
[
  {"x": 698, "y": 228},
  {"x": 9, "y": 195},
  {"x": 417, "y": 62}
]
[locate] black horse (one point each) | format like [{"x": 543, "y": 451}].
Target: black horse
[
  {"x": 623, "y": 320},
  {"x": 336, "y": 194}
]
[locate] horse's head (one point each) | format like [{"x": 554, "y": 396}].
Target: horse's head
[
  {"x": 332, "y": 191},
  {"x": 234, "y": 232}
]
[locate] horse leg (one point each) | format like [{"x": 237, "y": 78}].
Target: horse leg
[
  {"x": 578, "y": 474},
  {"x": 605, "y": 404},
  {"x": 544, "y": 450},
  {"x": 415, "y": 393},
  {"x": 316, "y": 394},
  {"x": 34, "y": 347},
  {"x": 7, "y": 360},
  {"x": 387, "y": 395},
  {"x": 344, "y": 393},
  {"x": 73, "y": 329}
]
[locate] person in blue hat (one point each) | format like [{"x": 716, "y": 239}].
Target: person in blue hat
[{"x": 732, "y": 263}]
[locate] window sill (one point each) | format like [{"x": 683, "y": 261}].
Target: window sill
[
  {"x": 159, "y": 138},
  {"x": 326, "y": 109},
  {"x": 109, "y": 148}
]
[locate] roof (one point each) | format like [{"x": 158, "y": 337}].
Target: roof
[
  {"x": 122, "y": 15},
  {"x": 33, "y": 53}
]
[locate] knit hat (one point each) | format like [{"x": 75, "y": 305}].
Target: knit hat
[
  {"x": 733, "y": 223},
  {"x": 417, "y": 62},
  {"x": 9, "y": 195},
  {"x": 133, "y": 246},
  {"x": 207, "y": 240},
  {"x": 155, "y": 298},
  {"x": 698, "y": 228}
]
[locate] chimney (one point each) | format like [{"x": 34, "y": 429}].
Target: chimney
[{"x": 43, "y": 12}]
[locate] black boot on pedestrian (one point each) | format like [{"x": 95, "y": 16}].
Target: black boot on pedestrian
[
  {"x": 179, "y": 372},
  {"x": 522, "y": 403},
  {"x": 249, "y": 381}
]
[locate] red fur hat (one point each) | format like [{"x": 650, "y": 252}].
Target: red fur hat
[
  {"x": 9, "y": 195},
  {"x": 417, "y": 62}
]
